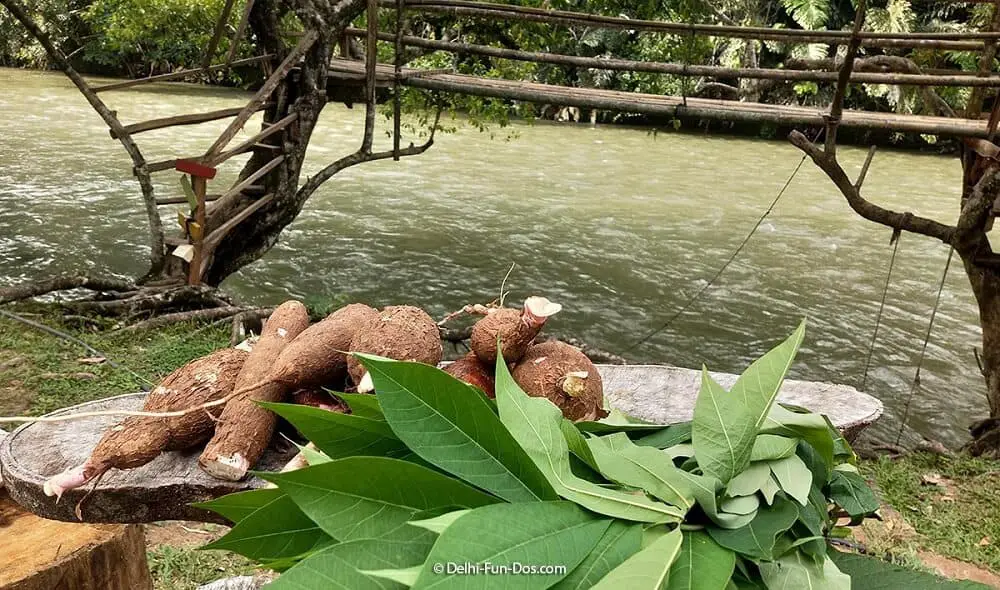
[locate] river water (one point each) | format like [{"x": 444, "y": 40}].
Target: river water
[{"x": 619, "y": 225}]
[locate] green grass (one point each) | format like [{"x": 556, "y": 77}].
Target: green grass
[
  {"x": 960, "y": 519},
  {"x": 186, "y": 568}
]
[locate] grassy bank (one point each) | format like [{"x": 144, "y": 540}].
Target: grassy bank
[{"x": 942, "y": 507}]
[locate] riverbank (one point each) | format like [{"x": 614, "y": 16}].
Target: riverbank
[{"x": 943, "y": 516}]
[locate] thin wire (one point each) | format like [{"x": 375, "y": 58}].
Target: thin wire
[
  {"x": 927, "y": 337},
  {"x": 732, "y": 257},
  {"x": 881, "y": 308}
]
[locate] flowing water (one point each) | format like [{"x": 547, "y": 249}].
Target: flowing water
[{"x": 619, "y": 225}]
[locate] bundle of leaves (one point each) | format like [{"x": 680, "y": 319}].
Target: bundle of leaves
[{"x": 428, "y": 483}]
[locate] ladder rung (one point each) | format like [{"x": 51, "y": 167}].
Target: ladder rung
[
  {"x": 192, "y": 119},
  {"x": 254, "y": 190}
]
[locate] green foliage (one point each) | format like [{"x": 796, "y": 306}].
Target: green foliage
[{"x": 747, "y": 505}]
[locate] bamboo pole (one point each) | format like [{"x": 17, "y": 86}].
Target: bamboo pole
[
  {"x": 240, "y": 31},
  {"x": 524, "y": 13},
  {"x": 262, "y": 95},
  {"x": 676, "y": 69},
  {"x": 178, "y": 75},
  {"x": 213, "y": 44},
  {"x": 178, "y": 120},
  {"x": 200, "y": 185}
]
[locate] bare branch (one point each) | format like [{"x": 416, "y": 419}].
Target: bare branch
[
  {"x": 156, "y": 254},
  {"x": 870, "y": 211},
  {"x": 837, "y": 107},
  {"x": 38, "y": 288}
]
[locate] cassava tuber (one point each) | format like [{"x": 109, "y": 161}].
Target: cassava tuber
[
  {"x": 400, "y": 332},
  {"x": 516, "y": 329},
  {"x": 565, "y": 376},
  {"x": 472, "y": 371}
]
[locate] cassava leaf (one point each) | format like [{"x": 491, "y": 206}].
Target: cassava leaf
[
  {"x": 617, "y": 421},
  {"x": 757, "y": 539},
  {"x": 740, "y": 505},
  {"x": 362, "y": 404},
  {"x": 794, "y": 477},
  {"x": 341, "y": 435},
  {"x": 752, "y": 479},
  {"x": 535, "y": 424},
  {"x": 770, "y": 446},
  {"x": 313, "y": 456},
  {"x": 795, "y": 570},
  {"x": 702, "y": 564},
  {"x": 674, "y": 434},
  {"x": 439, "y": 523},
  {"x": 645, "y": 468},
  {"x": 577, "y": 443},
  {"x": 879, "y": 575},
  {"x": 851, "y": 492},
  {"x": 769, "y": 489},
  {"x": 406, "y": 576},
  {"x": 446, "y": 423},
  {"x": 811, "y": 428},
  {"x": 236, "y": 507},
  {"x": 649, "y": 569},
  {"x": 619, "y": 542},
  {"x": 365, "y": 497},
  {"x": 278, "y": 529},
  {"x": 508, "y": 534}
]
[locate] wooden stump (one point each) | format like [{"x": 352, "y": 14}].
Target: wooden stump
[{"x": 39, "y": 554}]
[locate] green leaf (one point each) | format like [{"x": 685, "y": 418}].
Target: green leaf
[
  {"x": 769, "y": 489},
  {"x": 535, "y": 424},
  {"x": 812, "y": 428},
  {"x": 754, "y": 478},
  {"x": 851, "y": 492},
  {"x": 740, "y": 505},
  {"x": 619, "y": 542},
  {"x": 879, "y": 575},
  {"x": 439, "y": 523},
  {"x": 405, "y": 576},
  {"x": 757, "y": 539},
  {"x": 577, "y": 443},
  {"x": 702, "y": 564},
  {"x": 648, "y": 569},
  {"x": 674, "y": 434},
  {"x": 236, "y": 507},
  {"x": 365, "y": 497},
  {"x": 447, "y": 424},
  {"x": 797, "y": 571},
  {"x": 507, "y": 534},
  {"x": 313, "y": 457},
  {"x": 641, "y": 467},
  {"x": 188, "y": 191},
  {"x": 769, "y": 446},
  {"x": 364, "y": 405},
  {"x": 337, "y": 567},
  {"x": 276, "y": 530},
  {"x": 615, "y": 422},
  {"x": 794, "y": 477},
  {"x": 809, "y": 14},
  {"x": 341, "y": 435}
]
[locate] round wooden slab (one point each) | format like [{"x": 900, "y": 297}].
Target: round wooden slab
[{"x": 160, "y": 490}]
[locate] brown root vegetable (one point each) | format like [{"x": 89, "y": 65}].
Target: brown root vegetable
[
  {"x": 516, "y": 329},
  {"x": 400, "y": 332},
  {"x": 318, "y": 398},
  {"x": 139, "y": 440},
  {"x": 561, "y": 373},
  {"x": 245, "y": 428},
  {"x": 317, "y": 356},
  {"x": 472, "y": 371}
]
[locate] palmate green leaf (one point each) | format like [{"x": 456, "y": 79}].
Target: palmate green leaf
[
  {"x": 741, "y": 505},
  {"x": 313, "y": 457},
  {"x": 851, "y": 492},
  {"x": 337, "y": 567},
  {"x": 439, "y": 523},
  {"x": 649, "y": 569},
  {"x": 236, "y": 507},
  {"x": 727, "y": 423},
  {"x": 446, "y": 423},
  {"x": 795, "y": 571},
  {"x": 757, "y": 539},
  {"x": 276, "y": 530},
  {"x": 535, "y": 424},
  {"x": 577, "y": 443},
  {"x": 812, "y": 428},
  {"x": 406, "y": 576},
  {"x": 530, "y": 533},
  {"x": 615, "y": 422},
  {"x": 879, "y": 575},
  {"x": 365, "y": 497},
  {"x": 619, "y": 542},
  {"x": 646, "y": 468},
  {"x": 674, "y": 434},
  {"x": 341, "y": 435},
  {"x": 770, "y": 446},
  {"x": 769, "y": 489},
  {"x": 794, "y": 477},
  {"x": 364, "y": 405},
  {"x": 752, "y": 479},
  {"x": 702, "y": 564}
]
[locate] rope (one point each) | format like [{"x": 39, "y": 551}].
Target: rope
[
  {"x": 923, "y": 350},
  {"x": 881, "y": 308},
  {"x": 722, "y": 269}
]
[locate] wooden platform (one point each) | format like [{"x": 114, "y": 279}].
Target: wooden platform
[
  {"x": 163, "y": 489},
  {"x": 350, "y": 71}
]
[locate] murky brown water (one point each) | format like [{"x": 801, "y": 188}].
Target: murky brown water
[{"x": 618, "y": 225}]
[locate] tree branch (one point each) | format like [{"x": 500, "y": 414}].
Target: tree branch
[
  {"x": 35, "y": 289},
  {"x": 156, "y": 254},
  {"x": 902, "y": 221},
  {"x": 837, "y": 106}
]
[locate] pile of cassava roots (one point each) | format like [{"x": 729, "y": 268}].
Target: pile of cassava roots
[{"x": 214, "y": 399}]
